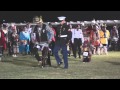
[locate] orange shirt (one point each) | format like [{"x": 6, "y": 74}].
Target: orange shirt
[{"x": 104, "y": 38}]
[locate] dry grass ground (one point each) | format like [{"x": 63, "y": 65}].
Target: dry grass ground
[{"x": 25, "y": 67}]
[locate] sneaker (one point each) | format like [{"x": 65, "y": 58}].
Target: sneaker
[
  {"x": 39, "y": 63},
  {"x": 59, "y": 64},
  {"x": 13, "y": 55}
]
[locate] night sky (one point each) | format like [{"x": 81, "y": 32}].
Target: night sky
[{"x": 51, "y": 16}]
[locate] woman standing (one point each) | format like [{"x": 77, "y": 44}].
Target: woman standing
[
  {"x": 1, "y": 43},
  {"x": 24, "y": 38},
  {"x": 14, "y": 41},
  {"x": 3, "y": 37}
]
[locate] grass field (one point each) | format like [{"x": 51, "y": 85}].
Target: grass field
[{"x": 25, "y": 67}]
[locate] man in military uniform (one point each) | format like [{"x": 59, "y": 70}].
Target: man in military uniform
[{"x": 62, "y": 39}]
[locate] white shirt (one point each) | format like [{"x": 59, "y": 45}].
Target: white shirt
[
  {"x": 77, "y": 34},
  {"x": 29, "y": 30}
]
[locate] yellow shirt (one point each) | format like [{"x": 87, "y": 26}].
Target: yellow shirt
[{"x": 104, "y": 38}]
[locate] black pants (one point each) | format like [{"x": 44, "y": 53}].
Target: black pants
[
  {"x": 10, "y": 49},
  {"x": 1, "y": 50},
  {"x": 114, "y": 45},
  {"x": 77, "y": 44},
  {"x": 52, "y": 45},
  {"x": 71, "y": 47},
  {"x": 31, "y": 48}
]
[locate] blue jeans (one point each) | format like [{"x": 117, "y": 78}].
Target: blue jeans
[{"x": 64, "y": 52}]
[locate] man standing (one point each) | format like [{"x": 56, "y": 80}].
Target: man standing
[
  {"x": 44, "y": 35},
  {"x": 114, "y": 38},
  {"x": 77, "y": 40},
  {"x": 62, "y": 39}
]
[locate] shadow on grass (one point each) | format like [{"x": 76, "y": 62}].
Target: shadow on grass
[
  {"x": 56, "y": 67},
  {"x": 25, "y": 62},
  {"x": 114, "y": 63},
  {"x": 21, "y": 61}
]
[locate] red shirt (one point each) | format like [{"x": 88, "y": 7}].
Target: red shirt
[
  {"x": 53, "y": 39},
  {"x": 2, "y": 39}
]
